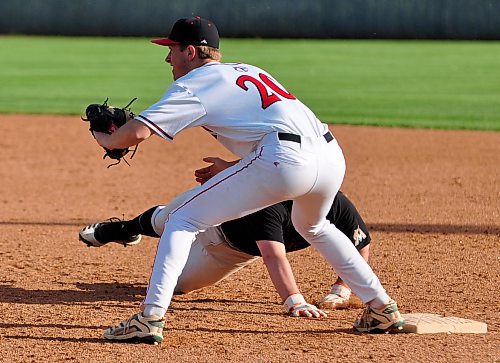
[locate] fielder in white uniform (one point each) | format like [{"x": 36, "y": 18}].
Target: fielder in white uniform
[{"x": 286, "y": 154}]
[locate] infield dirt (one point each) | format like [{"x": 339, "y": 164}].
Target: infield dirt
[{"x": 430, "y": 198}]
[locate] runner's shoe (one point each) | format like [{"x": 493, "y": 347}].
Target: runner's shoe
[
  {"x": 137, "y": 328},
  {"x": 384, "y": 320},
  {"x": 338, "y": 298},
  {"x": 91, "y": 236}
]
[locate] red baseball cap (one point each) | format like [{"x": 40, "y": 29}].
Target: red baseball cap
[{"x": 192, "y": 31}]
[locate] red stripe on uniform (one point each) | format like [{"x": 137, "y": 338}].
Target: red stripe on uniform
[
  {"x": 220, "y": 181},
  {"x": 203, "y": 191},
  {"x": 158, "y": 129}
]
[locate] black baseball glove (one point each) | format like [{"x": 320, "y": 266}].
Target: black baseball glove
[{"x": 108, "y": 119}]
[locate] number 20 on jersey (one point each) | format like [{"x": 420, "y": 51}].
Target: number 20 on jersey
[{"x": 269, "y": 91}]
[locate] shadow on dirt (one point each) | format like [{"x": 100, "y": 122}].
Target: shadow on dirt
[
  {"x": 181, "y": 298},
  {"x": 379, "y": 227},
  {"x": 59, "y": 339},
  {"x": 119, "y": 293},
  {"x": 434, "y": 228},
  {"x": 277, "y": 331},
  {"x": 45, "y": 325},
  {"x": 84, "y": 293},
  {"x": 224, "y": 310}
]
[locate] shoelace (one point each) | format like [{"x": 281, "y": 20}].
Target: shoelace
[
  {"x": 126, "y": 326},
  {"x": 114, "y": 219},
  {"x": 364, "y": 317}
]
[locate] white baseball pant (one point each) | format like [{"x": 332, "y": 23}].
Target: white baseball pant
[
  {"x": 211, "y": 259},
  {"x": 309, "y": 172}
]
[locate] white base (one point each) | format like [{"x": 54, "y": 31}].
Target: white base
[{"x": 423, "y": 323}]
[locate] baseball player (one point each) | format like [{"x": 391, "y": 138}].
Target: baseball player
[
  {"x": 286, "y": 154},
  {"x": 220, "y": 251}
]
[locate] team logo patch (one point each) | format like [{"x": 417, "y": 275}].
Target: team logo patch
[{"x": 358, "y": 236}]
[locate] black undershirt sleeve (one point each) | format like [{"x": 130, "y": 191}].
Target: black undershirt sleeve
[
  {"x": 266, "y": 224},
  {"x": 274, "y": 223}
]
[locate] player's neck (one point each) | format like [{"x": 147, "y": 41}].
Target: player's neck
[{"x": 203, "y": 62}]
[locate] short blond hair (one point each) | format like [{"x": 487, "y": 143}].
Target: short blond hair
[{"x": 205, "y": 52}]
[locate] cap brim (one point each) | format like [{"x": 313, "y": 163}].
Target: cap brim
[{"x": 164, "y": 41}]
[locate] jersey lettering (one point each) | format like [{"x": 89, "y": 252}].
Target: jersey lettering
[
  {"x": 282, "y": 92},
  {"x": 267, "y": 97}
]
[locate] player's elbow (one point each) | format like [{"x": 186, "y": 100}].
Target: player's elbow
[
  {"x": 130, "y": 134},
  {"x": 269, "y": 258},
  {"x": 139, "y": 131},
  {"x": 271, "y": 251}
]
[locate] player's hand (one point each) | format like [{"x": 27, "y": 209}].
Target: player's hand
[
  {"x": 101, "y": 138},
  {"x": 295, "y": 305},
  {"x": 217, "y": 165},
  {"x": 307, "y": 310}
]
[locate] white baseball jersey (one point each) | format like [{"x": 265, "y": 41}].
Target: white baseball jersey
[{"x": 243, "y": 117}]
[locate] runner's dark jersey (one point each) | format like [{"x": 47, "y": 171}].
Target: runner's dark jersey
[{"x": 274, "y": 223}]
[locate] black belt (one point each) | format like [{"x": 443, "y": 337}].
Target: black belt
[{"x": 296, "y": 138}]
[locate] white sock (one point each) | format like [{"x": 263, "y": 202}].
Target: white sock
[
  {"x": 154, "y": 310},
  {"x": 380, "y": 301}
]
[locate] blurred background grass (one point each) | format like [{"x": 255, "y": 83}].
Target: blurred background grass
[{"x": 405, "y": 83}]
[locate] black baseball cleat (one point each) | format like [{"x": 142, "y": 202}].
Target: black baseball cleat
[{"x": 91, "y": 236}]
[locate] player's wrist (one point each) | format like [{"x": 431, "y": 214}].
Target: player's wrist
[{"x": 293, "y": 300}]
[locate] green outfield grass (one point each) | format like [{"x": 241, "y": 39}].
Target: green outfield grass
[{"x": 439, "y": 84}]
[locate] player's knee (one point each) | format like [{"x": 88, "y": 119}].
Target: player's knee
[
  {"x": 183, "y": 288},
  {"x": 178, "y": 292},
  {"x": 179, "y": 222},
  {"x": 310, "y": 231},
  {"x": 181, "y": 291},
  {"x": 158, "y": 218}
]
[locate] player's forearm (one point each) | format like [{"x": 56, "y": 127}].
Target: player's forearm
[
  {"x": 279, "y": 269},
  {"x": 282, "y": 278},
  {"x": 130, "y": 134}
]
